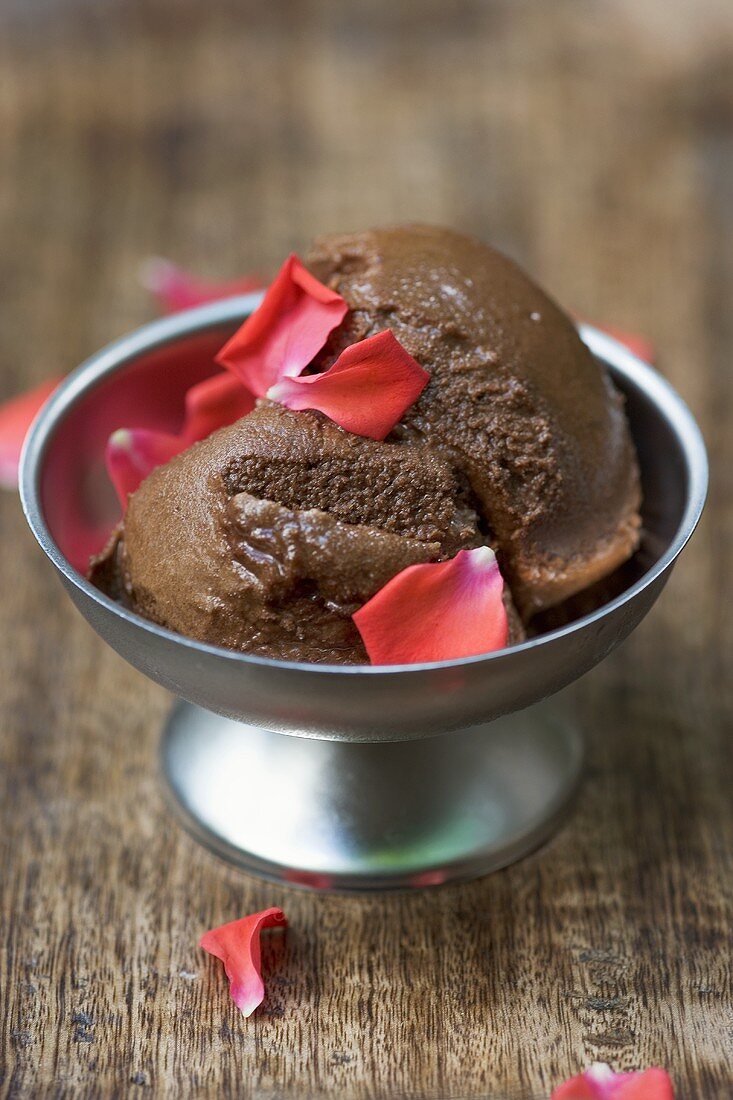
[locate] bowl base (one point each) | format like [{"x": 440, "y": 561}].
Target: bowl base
[{"x": 333, "y": 815}]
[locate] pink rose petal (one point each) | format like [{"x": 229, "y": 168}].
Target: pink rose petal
[
  {"x": 601, "y": 1083},
  {"x": 437, "y": 612},
  {"x": 16, "y": 417},
  {"x": 638, "y": 345},
  {"x": 213, "y": 404},
  {"x": 237, "y": 944},
  {"x": 133, "y": 453},
  {"x": 366, "y": 391},
  {"x": 176, "y": 289},
  {"x": 290, "y": 327}
]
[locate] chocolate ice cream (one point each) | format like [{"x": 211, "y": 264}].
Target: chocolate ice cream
[
  {"x": 515, "y": 398},
  {"x": 267, "y": 536}
]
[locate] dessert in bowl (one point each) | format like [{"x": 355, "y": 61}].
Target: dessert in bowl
[
  {"x": 269, "y": 535},
  {"x": 242, "y": 566}
]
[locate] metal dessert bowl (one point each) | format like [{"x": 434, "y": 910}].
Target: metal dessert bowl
[{"x": 332, "y": 776}]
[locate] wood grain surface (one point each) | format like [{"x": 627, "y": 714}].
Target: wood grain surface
[{"x": 594, "y": 141}]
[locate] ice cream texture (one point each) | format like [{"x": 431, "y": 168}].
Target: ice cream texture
[{"x": 269, "y": 535}]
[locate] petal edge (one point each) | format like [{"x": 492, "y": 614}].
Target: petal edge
[
  {"x": 287, "y": 330},
  {"x": 366, "y": 391}
]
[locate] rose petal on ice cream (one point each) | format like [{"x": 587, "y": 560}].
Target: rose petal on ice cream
[
  {"x": 289, "y": 328},
  {"x": 237, "y": 944},
  {"x": 601, "y": 1083},
  {"x": 366, "y": 391},
  {"x": 176, "y": 289},
  {"x": 437, "y": 612},
  {"x": 132, "y": 453},
  {"x": 16, "y": 417},
  {"x": 214, "y": 403}
]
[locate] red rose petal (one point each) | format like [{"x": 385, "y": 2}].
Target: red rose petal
[
  {"x": 237, "y": 944},
  {"x": 637, "y": 345},
  {"x": 436, "y": 612},
  {"x": 290, "y": 327},
  {"x": 176, "y": 289},
  {"x": 133, "y": 453},
  {"x": 652, "y": 1084},
  {"x": 601, "y": 1083},
  {"x": 366, "y": 391},
  {"x": 214, "y": 403},
  {"x": 16, "y": 417}
]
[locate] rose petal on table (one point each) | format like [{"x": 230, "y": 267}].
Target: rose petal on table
[
  {"x": 437, "y": 612},
  {"x": 289, "y": 328},
  {"x": 601, "y": 1083},
  {"x": 214, "y": 403},
  {"x": 237, "y": 944},
  {"x": 177, "y": 289},
  {"x": 366, "y": 391},
  {"x": 132, "y": 453},
  {"x": 16, "y": 417}
]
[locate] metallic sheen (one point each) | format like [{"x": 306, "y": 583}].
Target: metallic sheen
[{"x": 378, "y": 803}]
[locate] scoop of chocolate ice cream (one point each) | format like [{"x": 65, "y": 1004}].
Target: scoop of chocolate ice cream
[
  {"x": 267, "y": 536},
  {"x": 515, "y": 399}
]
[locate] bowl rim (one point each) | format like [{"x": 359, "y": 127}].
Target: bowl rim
[{"x": 160, "y": 333}]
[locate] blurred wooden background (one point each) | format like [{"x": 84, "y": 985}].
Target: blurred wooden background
[{"x": 594, "y": 141}]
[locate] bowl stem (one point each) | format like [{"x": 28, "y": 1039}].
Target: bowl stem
[{"x": 341, "y": 816}]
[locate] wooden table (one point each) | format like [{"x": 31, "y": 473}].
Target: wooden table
[{"x": 593, "y": 141}]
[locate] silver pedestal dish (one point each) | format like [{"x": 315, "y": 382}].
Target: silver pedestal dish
[{"x": 349, "y": 777}]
